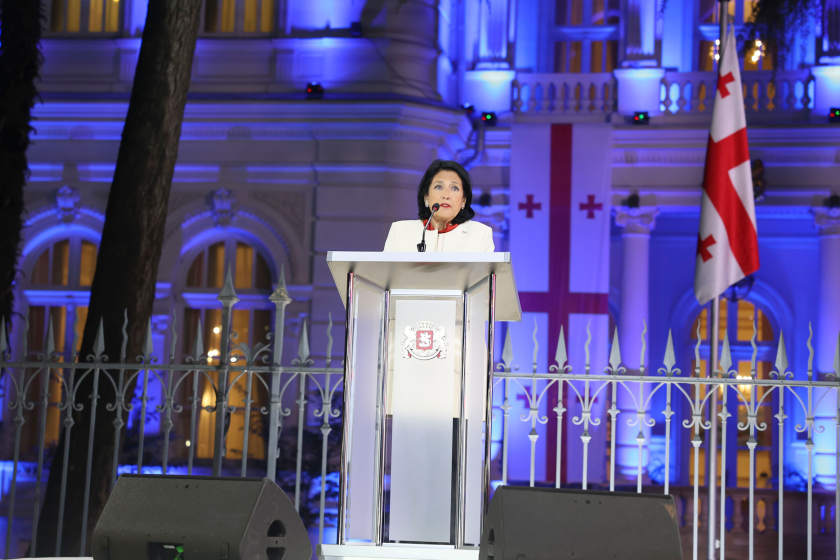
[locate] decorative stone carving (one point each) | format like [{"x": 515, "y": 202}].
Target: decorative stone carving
[
  {"x": 67, "y": 204},
  {"x": 827, "y": 219},
  {"x": 290, "y": 205},
  {"x": 641, "y": 219},
  {"x": 160, "y": 324},
  {"x": 223, "y": 200}
]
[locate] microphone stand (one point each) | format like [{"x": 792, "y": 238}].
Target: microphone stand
[{"x": 421, "y": 247}]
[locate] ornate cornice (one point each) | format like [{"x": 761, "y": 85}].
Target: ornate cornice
[
  {"x": 827, "y": 220},
  {"x": 639, "y": 220}
]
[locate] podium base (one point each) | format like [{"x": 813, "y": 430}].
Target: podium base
[{"x": 394, "y": 552}]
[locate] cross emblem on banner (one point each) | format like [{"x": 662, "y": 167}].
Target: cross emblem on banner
[
  {"x": 723, "y": 81},
  {"x": 529, "y": 206},
  {"x": 703, "y": 246},
  {"x": 591, "y": 206}
]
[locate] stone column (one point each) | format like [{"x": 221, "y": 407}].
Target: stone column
[
  {"x": 489, "y": 54},
  {"x": 494, "y": 29},
  {"x": 641, "y": 32},
  {"x": 827, "y": 221},
  {"x": 826, "y": 86},
  {"x": 830, "y": 32},
  {"x": 637, "y": 223},
  {"x": 639, "y": 90},
  {"x": 406, "y": 36}
]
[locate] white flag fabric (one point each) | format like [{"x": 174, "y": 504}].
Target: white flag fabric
[
  {"x": 589, "y": 254},
  {"x": 727, "y": 244},
  {"x": 530, "y": 204}
]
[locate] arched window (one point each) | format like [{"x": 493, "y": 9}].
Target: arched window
[
  {"x": 570, "y": 51},
  {"x": 251, "y": 321},
  {"x": 237, "y": 17},
  {"x": 56, "y": 286},
  {"x": 77, "y": 17},
  {"x": 736, "y": 320}
]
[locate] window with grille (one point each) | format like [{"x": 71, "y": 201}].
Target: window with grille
[
  {"x": 759, "y": 55},
  {"x": 56, "y": 290},
  {"x": 85, "y": 16},
  {"x": 237, "y": 17},
  {"x": 736, "y": 319},
  {"x": 251, "y": 321},
  {"x": 574, "y": 54}
]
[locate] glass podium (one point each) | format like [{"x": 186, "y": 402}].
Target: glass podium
[{"x": 418, "y": 379}]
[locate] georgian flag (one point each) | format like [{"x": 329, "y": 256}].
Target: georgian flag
[{"x": 727, "y": 244}]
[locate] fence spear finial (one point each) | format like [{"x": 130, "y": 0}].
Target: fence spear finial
[
  {"x": 586, "y": 346},
  {"x": 77, "y": 337},
  {"x": 198, "y": 343},
  {"x": 615, "y": 353},
  {"x": 2, "y": 335},
  {"x": 124, "y": 335},
  {"x": 670, "y": 360},
  {"x": 536, "y": 345},
  {"x": 697, "y": 350},
  {"x": 99, "y": 341},
  {"x": 49, "y": 343},
  {"x": 781, "y": 356},
  {"x": 281, "y": 294},
  {"x": 725, "y": 356},
  {"x": 148, "y": 347},
  {"x": 303, "y": 345},
  {"x": 560, "y": 356},
  {"x": 174, "y": 340},
  {"x": 810, "y": 352},
  {"x": 507, "y": 351},
  {"x": 228, "y": 293},
  {"x": 329, "y": 338}
]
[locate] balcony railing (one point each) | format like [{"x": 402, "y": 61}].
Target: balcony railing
[
  {"x": 248, "y": 387},
  {"x": 564, "y": 94},
  {"x": 787, "y": 93}
]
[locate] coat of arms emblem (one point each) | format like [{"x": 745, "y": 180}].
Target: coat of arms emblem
[{"x": 425, "y": 342}]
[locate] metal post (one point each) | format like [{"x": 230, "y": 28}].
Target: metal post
[
  {"x": 379, "y": 498},
  {"x": 347, "y": 409},
  {"x": 228, "y": 299},
  {"x": 280, "y": 298},
  {"x": 713, "y": 417},
  {"x": 462, "y": 431},
  {"x": 710, "y": 553},
  {"x": 724, "y": 16},
  {"x": 488, "y": 419}
]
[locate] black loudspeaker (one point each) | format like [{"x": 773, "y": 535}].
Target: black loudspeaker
[
  {"x": 199, "y": 518},
  {"x": 544, "y": 523}
]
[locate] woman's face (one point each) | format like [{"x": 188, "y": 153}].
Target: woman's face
[{"x": 446, "y": 189}]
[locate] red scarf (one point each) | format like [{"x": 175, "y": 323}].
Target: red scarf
[{"x": 447, "y": 229}]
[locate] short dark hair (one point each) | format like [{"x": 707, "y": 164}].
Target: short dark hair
[{"x": 466, "y": 213}]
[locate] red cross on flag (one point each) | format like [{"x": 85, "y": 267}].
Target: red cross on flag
[{"x": 727, "y": 244}]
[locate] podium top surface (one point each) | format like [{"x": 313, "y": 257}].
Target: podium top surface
[{"x": 430, "y": 271}]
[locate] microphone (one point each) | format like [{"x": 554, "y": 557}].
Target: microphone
[{"x": 421, "y": 247}]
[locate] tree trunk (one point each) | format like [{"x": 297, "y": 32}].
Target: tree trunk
[
  {"x": 127, "y": 265},
  {"x": 20, "y": 61}
]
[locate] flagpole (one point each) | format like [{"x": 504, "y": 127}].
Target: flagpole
[{"x": 715, "y": 319}]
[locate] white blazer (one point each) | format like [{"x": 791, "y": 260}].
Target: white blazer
[{"x": 467, "y": 237}]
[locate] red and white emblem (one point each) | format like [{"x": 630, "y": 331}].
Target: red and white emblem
[{"x": 425, "y": 342}]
